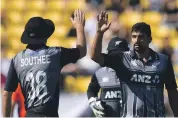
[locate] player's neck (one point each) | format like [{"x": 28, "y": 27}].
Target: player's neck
[
  {"x": 144, "y": 55},
  {"x": 35, "y": 46}
]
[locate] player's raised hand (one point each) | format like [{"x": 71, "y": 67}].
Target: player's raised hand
[
  {"x": 79, "y": 19},
  {"x": 102, "y": 19}
]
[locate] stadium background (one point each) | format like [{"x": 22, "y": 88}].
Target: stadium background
[{"x": 162, "y": 15}]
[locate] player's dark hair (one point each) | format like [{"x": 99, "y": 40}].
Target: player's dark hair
[{"x": 142, "y": 27}]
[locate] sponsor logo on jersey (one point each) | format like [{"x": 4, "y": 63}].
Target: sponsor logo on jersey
[
  {"x": 147, "y": 79},
  {"x": 105, "y": 79},
  {"x": 113, "y": 94}
]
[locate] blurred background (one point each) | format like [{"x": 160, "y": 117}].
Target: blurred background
[{"x": 162, "y": 15}]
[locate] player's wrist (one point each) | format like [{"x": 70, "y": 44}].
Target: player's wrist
[
  {"x": 98, "y": 30},
  {"x": 91, "y": 100},
  {"x": 80, "y": 28}
]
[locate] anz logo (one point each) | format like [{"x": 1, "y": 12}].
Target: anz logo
[
  {"x": 112, "y": 94},
  {"x": 147, "y": 79}
]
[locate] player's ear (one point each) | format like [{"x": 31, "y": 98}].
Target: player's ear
[{"x": 150, "y": 39}]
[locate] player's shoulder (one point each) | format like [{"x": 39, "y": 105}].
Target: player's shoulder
[
  {"x": 18, "y": 54},
  {"x": 54, "y": 48},
  {"x": 128, "y": 54},
  {"x": 162, "y": 56},
  {"x": 104, "y": 71},
  {"x": 60, "y": 48},
  {"x": 163, "y": 59}
]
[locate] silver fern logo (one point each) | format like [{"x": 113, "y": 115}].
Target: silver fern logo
[{"x": 117, "y": 43}]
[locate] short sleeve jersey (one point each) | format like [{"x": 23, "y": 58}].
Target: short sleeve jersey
[
  {"x": 142, "y": 83},
  {"x": 38, "y": 73}
]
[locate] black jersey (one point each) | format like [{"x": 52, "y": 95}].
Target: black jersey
[
  {"x": 142, "y": 83},
  {"x": 38, "y": 73}
]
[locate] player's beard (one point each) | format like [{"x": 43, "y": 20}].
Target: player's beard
[{"x": 139, "y": 48}]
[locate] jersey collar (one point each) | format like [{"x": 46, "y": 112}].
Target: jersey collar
[
  {"x": 36, "y": 46},
  {"x": 153, "y": 56}
]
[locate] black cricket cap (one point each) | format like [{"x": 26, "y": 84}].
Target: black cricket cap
[
  {"x": 117, "y": 44},
  {"x": 37, "y": 31}
]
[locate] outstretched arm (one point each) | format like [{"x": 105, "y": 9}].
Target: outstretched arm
[
  {"x": 102, "y": 26},
  {"x": 79, "y": 22}
]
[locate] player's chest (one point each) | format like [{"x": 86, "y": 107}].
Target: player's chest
[{"x": 150, "y": 73}]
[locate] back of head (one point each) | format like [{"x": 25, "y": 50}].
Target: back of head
[
  {"x": 142, "y": 27},
  {"x": 117, "y": 44},
  {"x": 37, "y": 31}
]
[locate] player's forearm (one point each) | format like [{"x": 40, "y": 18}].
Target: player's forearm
[
  {"x": 92, "y": 91},
  {"x": 81, "y": 41},
  {"x": 173, "y": 100},
  {"x": 12, "y": 108},
  {"x": 91, "y": 94},
  {"x": 6, "y": 103},
  {"x": 96, "y": 48}
]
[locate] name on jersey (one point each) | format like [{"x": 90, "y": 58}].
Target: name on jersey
[
  {"x": 148, "y": 79},
  {"x": 44, "y": 59}
]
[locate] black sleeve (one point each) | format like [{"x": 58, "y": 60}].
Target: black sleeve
[
  {"x": 69, "y": 55},
  {"x": 170, "y": 82},
  {"x": 12, "y": 79},
  {"x": 111, "y": 60},
  {"x": 93, "y": 87}
]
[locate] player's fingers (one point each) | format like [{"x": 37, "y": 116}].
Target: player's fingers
[
  {"x": 108, "y": 25},
  {"x": 83, "y": 17},
  {"x": 98, "y": 17},
  {"x": 99, "y": 114},
  {"x": 72, "y": 20},
  {"x": 102, "y": 13},
  {"x": 106, "y": 17},
  {"x": 80, "y": 14},
  {"x": 75, "y": 14},
  {"x": 98, "y": 108}
]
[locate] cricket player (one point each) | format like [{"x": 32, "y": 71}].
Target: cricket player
[
  {"x": 143, "y": 72},
  {"x": 37, "y": 68},
  {"x": 109, "y": 103}
]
